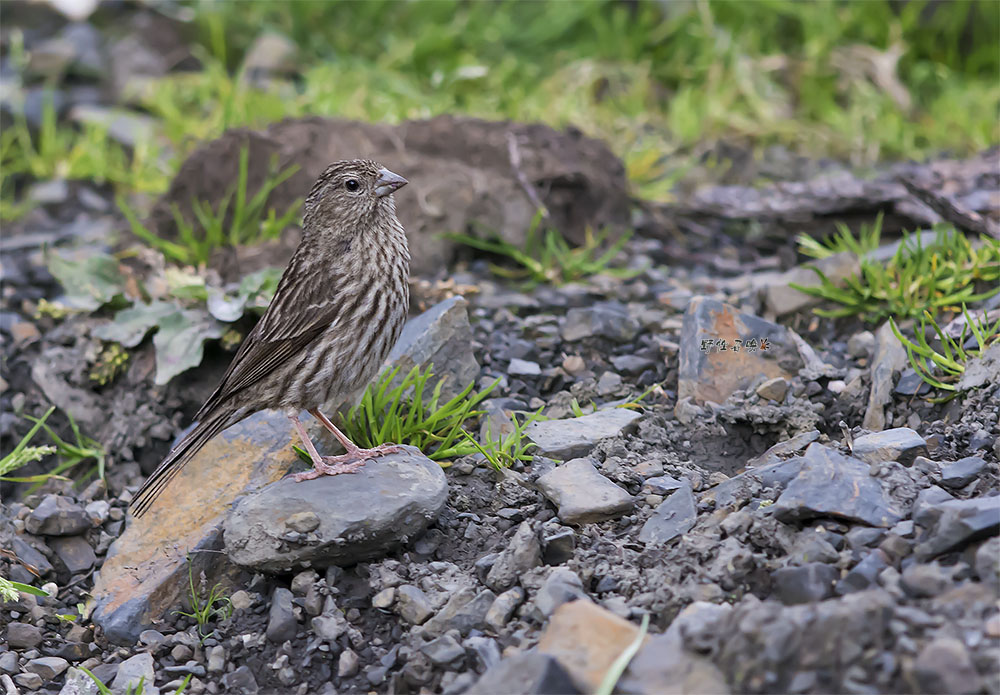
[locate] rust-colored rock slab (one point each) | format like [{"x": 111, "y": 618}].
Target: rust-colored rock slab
[
  {"x": 145, "y": 573},
  {"x": 723, "y": 350}
]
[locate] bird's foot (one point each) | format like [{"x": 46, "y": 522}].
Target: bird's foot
[{"x": 350, "y": 462}]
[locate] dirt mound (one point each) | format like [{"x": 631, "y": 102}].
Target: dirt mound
[{"x": 466, "y": 174}]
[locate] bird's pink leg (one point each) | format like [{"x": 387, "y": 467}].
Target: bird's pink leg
[
  {"x": 320, "y": 465},
  {"x": 349, "y": 462}
]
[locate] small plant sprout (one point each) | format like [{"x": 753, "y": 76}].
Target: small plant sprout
[
  {"x": 22, "y": 454},
  {"x": 245, "y": 222},
  {"x": 938, "y": 276},
  {"x": 503, "y": 451},
  {"x": 942, "y": 369},
  {"x": 410, "y": 412},
  {"x": 547, "y": 257},
  {"x": 109, "y": 364},
  {"x": 71, "y": 454},
  {"x": 215, "y": 606}
]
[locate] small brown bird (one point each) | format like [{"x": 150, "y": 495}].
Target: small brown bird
[{"x": 338, "y": 310}]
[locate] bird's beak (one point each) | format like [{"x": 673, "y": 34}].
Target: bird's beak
[{"x": 388, "y": 182}]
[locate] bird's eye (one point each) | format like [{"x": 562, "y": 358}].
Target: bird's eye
[{"x": 352, "y": 185}]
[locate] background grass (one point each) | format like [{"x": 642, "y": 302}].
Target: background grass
[{"x": 660, "y": 81}]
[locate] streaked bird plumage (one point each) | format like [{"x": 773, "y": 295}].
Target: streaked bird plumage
[{"x": 338, "y": 310}]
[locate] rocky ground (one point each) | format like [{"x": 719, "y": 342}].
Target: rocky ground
[{"x": 790, "y": 519}]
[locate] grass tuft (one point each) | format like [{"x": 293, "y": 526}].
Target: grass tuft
[
  {"x": 547, "y": 257},
  {"x": 503, "y": 451},
  {"x": 941, "y": 276}
]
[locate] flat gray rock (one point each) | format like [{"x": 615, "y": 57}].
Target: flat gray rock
[
  {"x": 953, "y": 524},
  {"x": 574, "y": 437},
  {"x": 361, "y": 515},
  {"x": 831, "y": 484},
  {"x": 582, "y": 494},
  {"x": 900, "y": 444},
  {"x": 673, "y": 517}
]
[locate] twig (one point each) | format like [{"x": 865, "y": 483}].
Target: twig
[
  {"x": 515, "y": 163},
  {"x": 959, "y": 215}
]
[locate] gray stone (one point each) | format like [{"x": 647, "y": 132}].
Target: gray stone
[
  {"x": 384, "y": 599},
  {"x": 527, "y": 673},
  {"x": 831, "y": 484},
  {"x": 953, "y": 524},
  {"x": 128, "y": 127},
  {"x": 574, "y": 437},
  {"x": 673, "y": 517},
  {"x": 780, "y": 298},
  {"x": 363, "y": 515},
  {"x": 631, "y": 364},
  {"x": 466, "y": 610},
  {"x": 523, "y": 368},
  {"x": 982, "y": 370},
  {"x": 240, "y": 681},
  {"x": 944, "y": 666},
  {"x": 863, "y": 575},
  {"x": 269, "y": 54},
  {"x": 900, "y": 444},
  {"x": 52, "y": 192},
  {"x": 331, "y": 624},
  {"x": 348, "y": 664},
  {"x": 661, "y": 485},
  {"x": 503, "y": 608},
  {"x": 31, "y": 681},
  {"x": 78, "y": 683},
  {"x": 75, "y": 552},
  {"x": 412, "y": 605},
  {"x": 558, "y": 546},
  {"x": 132, "y": 670},
  {"x": 714, "y": 373},
  {"x": 889, "y": 360},
  {"x": 987, "y": 563},
  {"x": 23, "y": 636},
  {"x": 29, "y": 553},
  {"x": 281, "y": 623},
  {"x": 962, "y": 472},
  {"x": 603, "y": 319},
  {"x": 443, "y": 650},
  {"x": 152, "y": 638},
  {"x": 582, "y": 494},
  {"x": 48, "y": 667},
  {"x": 773, "y": 389},
  {"x": 561, "y": 586},
  {"x": 56, "y": 515},
  {"x": 925, "y": 581},
  {"x": 521, "y": 554},
  {"x": 441, "y": 336},
  {"x": 861, "y": 344},
  {"x": 810, "y": 582},
  {"x": 8, "y": 662},
  {"x": 929, "y": 497}
]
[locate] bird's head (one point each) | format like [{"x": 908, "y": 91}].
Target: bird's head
[{"x": 351, "y": 193}]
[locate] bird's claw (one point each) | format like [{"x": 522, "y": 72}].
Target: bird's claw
[{"x": 350, "y": 462}]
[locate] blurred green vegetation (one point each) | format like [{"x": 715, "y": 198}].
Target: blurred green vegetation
[{"x": 660, "y": 81}]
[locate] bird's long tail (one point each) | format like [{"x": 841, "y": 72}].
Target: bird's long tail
[{"x": 175, "y": 460}]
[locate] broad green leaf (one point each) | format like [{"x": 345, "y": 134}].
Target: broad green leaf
[
  {"x": 131, "y": 325},
  {"x": 180, "y": 342},
  {"x": 90, "y": 283}
]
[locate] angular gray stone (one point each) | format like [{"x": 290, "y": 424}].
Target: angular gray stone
[
  {"x": 443, "y": 650},
  {"x": 78, "y": 683},
  {"x": 773, "y": 389},
  {"x": 503, "y": 608},
  {"x": 925, "y": 580},
  {"x": 604, "y": 319},
  {"x": 781, "y": 299},
  {"x": 466, "y": 610},
  {"x": 523, "y": 553},
  {"x": 813, "y": 581},
  {"x": 441, "y": 336},
  {"x": 123, "y": 125},
  {"x": 520, "y": 367},
  {"x": 582, "y": 494},
  {"x": 48, "y": 667},
  {"x": 331, "y": 624},
  {"x": 953, "y": 524},
  {"x": 831, "y": 484},
  {"x": 673, "y": 517},
  {"x": 412, "y": 604},
  {"x": 527, "y": 673},
  {"x": 863, "y": 575},
  {"x": 900, "y": 444},
  {"x": 281, "y": 623},
  {"x": 23, "y": 636},
  {"x": 982, "y": 370},
  {"x": 362, "y": 515},
  {"x": 962, "y": 472},
  {"x": 574, "y": 437},
  {"x": 889, "y": 359},
  {"x": 561, "y": 586},
  {"x": 132, "y": 670},
  {"x": 75, "y": 552},
  {"x": 241, "y": 681},
  {"x": 987, "y": 563},
  {"x": 57, "y": 515}
]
